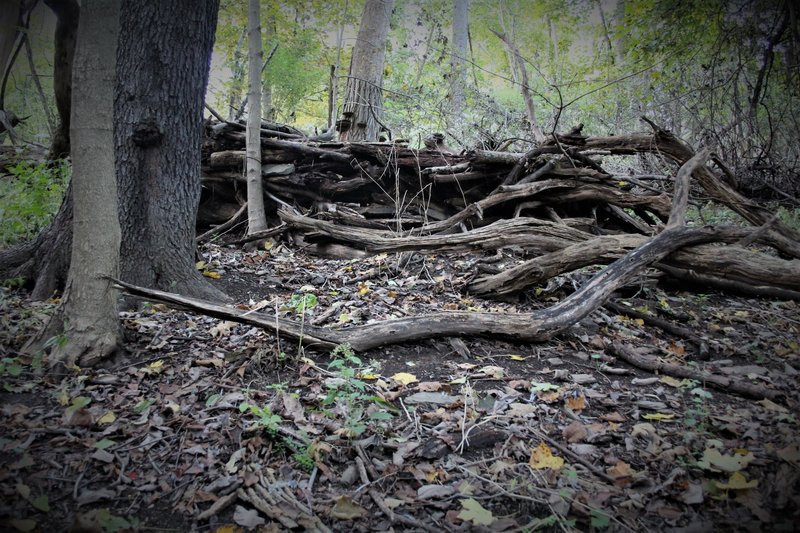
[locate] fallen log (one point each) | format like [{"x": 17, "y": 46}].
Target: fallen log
[{"x": 656, "y": 365}]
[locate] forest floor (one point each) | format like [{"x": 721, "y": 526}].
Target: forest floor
[{"x": 215, "y": 426}]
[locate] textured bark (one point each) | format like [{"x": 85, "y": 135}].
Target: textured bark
[
  {"x": 87, "y": 316},
  {"x": 162, "y": 70},
  {"x": 68, "y": 13},
  {"x": 363, "y": 105},
  {"x": 256, "y": 217}
]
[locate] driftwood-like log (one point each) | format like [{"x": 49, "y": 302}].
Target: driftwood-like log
[{"x": 724, "y": 383}]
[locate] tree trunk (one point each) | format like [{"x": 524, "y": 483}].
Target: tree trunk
[
  {"x": 458, "y": 79},
  {"x": 237, "y": 79},
  {"x": 88, "y": 314},
  {"x": 271, "y": 38},
  {"x": 8, "y": 33},
  {"x": 363, "y": 106},
  {"x": 524, "y": 88},
  {"x": 68, "y": 13},
  {"x": 162, "y": 71},
  {"x": 256, "y": 217}
]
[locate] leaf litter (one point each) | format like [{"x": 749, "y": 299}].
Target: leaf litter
[{"x": 216, "y": 426}]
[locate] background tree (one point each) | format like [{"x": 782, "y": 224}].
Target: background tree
[
  {"x": 162, "y": 71},
  {"x": 363, "y": 103},
  {"x": 87, "y": 317},
  {"x": 458, "y": 80},
  {"x": 256, "y": 217},
  {"x": 67, "y": 14}
]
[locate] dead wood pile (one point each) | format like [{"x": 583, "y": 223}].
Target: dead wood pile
[{"x": 556, "y": 203}]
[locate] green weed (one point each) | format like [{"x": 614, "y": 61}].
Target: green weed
[{"x": 29, "y": 197}]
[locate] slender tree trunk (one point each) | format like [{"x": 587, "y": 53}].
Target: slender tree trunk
[
  {"x": 524, "y": 88},
  {"x": 256, "y": 217},
  {"x": 88, "y": 313},
  {"x": 51, "y": 123},
  {"x": 271, "y": 38},
  {"x": 458, "y": 77},
  {"x": 67, "y": 12},
  {"x": 237, "y": 79},
  {"x": 162, "y": 71},
  {"x": 334, "y": 94},
  {"x": 8, "y": 33},
  {"x": 363, "y": 105}
]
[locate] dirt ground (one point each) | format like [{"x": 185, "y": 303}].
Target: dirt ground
[{"x": 214, "y": 426}]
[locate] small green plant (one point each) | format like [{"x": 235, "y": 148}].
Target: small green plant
[
  {"x": 302, "y": 303},
  {"x": 350, "y": 392},
  {"x": 29, "y": 198},
  {"x": 265, "y": 418},
  {"x": 698, "y": 415}
]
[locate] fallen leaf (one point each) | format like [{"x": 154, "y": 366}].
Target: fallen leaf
[
  {"x": 575, "y": 403},
  {"x": 247, "y": 517},
  {"x": 429, "y": 386},
  {"x": 346, "y": 509},
  {"x": 542, "y": 457},
  {"x": 790, "y": 454},
  {"x": 404, "y": 378},
  {"x": 154, "y": 368},
  {"x": 107, "y": 418},
  {"x": 620, "y": 470},
  {"x": 658, "y": 416},
  {"x": 496, "y": 372},
  {"x": 575, "y": 432},
  {"x": 474, "y": 512},
  {"x": 212, "y": 275},
  {"x": 714, "y": 460},
  {"x": 737, "y": 481},
  {"x": 772, "y": 406}
]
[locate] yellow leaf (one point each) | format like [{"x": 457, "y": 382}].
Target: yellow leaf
[
  {"x": 363, "y": 289},
  {"x": 622, "y": 183},
  {"x": 368, "y": 376},
  {"x": 155, "y": 367},
  {"x": 212, "y": 275},
  {"x": 658, "y": 416},
  {"x": 200, "y": 265},
  {"x": 542, "y": 457},
  {"x": 639, "y": 322},
  {"x": 518, "y": 358},
  {"x": 404, "y": 378},
  {"x": 107, "y": 418},
  {"x": 63, "y": 397},
  {"x": 737, "y": 481}
]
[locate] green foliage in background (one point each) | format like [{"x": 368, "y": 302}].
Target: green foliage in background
[{"x": 29, "y": 197}]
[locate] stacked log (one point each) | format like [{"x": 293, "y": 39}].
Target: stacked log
[{"x": 557, "y": 202}]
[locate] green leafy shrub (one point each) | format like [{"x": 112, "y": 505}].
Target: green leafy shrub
[{"x": 29, "y": 197}]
